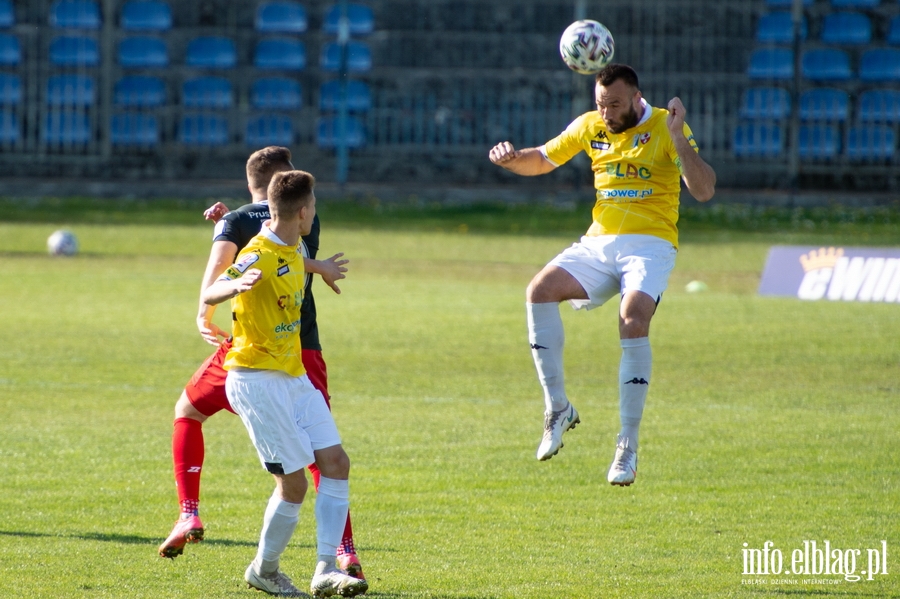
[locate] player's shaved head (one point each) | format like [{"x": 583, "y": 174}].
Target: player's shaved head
[
  {"x": 264, "y": 163},
  {"x": 290, "y": 190}
]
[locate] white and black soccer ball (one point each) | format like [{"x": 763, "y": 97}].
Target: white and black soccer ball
[
  {"x": 586, "y": 46},
  {"x": 62, "y": 243}
]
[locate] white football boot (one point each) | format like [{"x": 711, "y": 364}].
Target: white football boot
[
  {"x": 624, "y": 466},
  {"x": 555, "y": 424}
]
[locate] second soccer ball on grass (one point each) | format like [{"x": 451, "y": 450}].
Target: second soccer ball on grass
[{"x": 586, "y": 46}]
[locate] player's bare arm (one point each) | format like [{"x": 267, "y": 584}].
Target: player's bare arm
[
  {"x": 331, "y": 269},
  {"x": 699, "y": 177},
  {"x": 225, "y": 289},
  {"x": 215, "y": 212},
  {"x": 221, "y": 255},
  {"x": 528, "y": 162}
]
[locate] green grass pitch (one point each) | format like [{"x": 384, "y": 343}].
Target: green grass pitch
[{"x": 768, "y": 420}]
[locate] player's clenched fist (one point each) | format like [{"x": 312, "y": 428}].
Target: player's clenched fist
[{"x": 503, "y": 152}]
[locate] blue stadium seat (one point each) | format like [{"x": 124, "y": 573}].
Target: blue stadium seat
[
  {"x": 879, "y": 106},
  {"x": 10, "y": 50},
  {"x": 283, "y": 54},
  {"x": 70, "y": 90},
  {"x": 269, "y": 130},
  {"x": 9, "y": 127},
  {"x": 10, "y": 89},
  {"x": 359, "y": 98},
  {"x": 893, "y": 36},
  {"x": 139, "y": 91},
  {"x": 846, "y": 28},
  {"x": 276, "y": 94},
  {"x": 870, "y": 142},
  {"x": 757, "y": 140},
  {"x": 818, "y": 142},
  {"x": 766, "y": 103},
  {"x": 778, "y": 28},
  {"x": 786, "y": 3},
  {"x": 75, "y": 14},
  {"x": 281, "y": 17},
  {"x": 771, "y": 63},
  {"x": 143, "y": 52},
  {"x": 66, "y": 128},
  {"x": 146, "y": 15},
  {"x": 327, "y": 135},
  {"x": 359, "y": 57},
  {"x": 203, "y": 130},
  {"x": 211, "y": 52},
  {"x": 880, "y": 64},
  {"x": 824, "y": 104},
  {"x": 7, "y": 13},
  {"x": 359, "y": 17},
  {"x": 134, "y": 129},
  {"x": 826, "y": 64},
  {"x": 207, "y": 92},
  {"x": 68, "y": 51},
  {"x": 855, "y": 3}
]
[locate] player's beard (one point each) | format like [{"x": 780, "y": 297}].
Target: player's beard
[{"x": 629, "y": 120}]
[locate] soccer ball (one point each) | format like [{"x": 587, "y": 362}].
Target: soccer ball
[
  {"x": 586, "y": 46},
  {"x": 62, "y": 243}
]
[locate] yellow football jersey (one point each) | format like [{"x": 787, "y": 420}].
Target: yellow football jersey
[
  {"x": 637, "y": 173},
  {"x": 266, "y": 327}
]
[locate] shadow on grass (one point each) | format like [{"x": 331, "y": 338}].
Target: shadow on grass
[{"x": 125, "y": 539}]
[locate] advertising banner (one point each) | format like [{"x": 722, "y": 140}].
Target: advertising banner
[{"x": 833, "y": 273}]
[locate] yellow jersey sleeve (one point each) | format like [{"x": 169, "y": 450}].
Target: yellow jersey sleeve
[{"x": 637, "y": 173}]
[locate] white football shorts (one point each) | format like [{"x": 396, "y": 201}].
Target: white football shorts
[
  {"x": 609, "y": 264},
  {"x": 286, "y": 416}
]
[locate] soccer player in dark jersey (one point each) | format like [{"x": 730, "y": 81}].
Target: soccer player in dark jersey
[{"x": 204, "y": 395}]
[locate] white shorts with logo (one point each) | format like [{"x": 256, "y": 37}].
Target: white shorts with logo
[
  {"x": 286, "y": 416},
  {"x": 606, "y": 265}
]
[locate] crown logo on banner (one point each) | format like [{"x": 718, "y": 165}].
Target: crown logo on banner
[{"x": 821, "y": 258}]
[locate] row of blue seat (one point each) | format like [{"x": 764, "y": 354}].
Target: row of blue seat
[
  {"x": 141, "y": 91},
  {"x": 203, "y": 52},
  {"x": 825, "y": 64},
  {"x": 823, "y": 103},
  {"x": 140, "y": 129},
  {"x": 153, "y": 15},
  {"x": 843, "y": 28},
  {"x": 815, "y": 142}
]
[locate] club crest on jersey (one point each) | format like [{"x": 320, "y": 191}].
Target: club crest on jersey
[
  {"x": 643, "y": 138},
  {"x": 601, "y": 142}
]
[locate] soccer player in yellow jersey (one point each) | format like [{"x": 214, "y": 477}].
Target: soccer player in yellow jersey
[
  {"x": 286, "y": 416},
  {"x": 639, "y": 155}
]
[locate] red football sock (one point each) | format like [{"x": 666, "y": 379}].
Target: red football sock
[{"x": 187, "y": 457}]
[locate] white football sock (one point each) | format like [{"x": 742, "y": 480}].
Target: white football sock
[
  {"x": 546, "y": 336},
  {"x": 279, "y": 523},
  {"x": 634, "y": 381},
  {"x": 332, "y": 505}
]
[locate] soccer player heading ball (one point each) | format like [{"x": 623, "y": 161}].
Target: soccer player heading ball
[{"x": 638, "y": 155}]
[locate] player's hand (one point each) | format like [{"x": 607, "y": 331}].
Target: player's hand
[
  {"x": 502, "y": 153},
  {"x": 333, "y": 271},
  {"x": 247, "y": 281},
  {"x": 210, "y": 332},
  {"x": 215, "y": 212},
  {"x": 675, "y": 119}
]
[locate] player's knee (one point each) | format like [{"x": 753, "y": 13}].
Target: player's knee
[
  {"x": 333, "y": 463},
  {"x": 185, "y": 409}
]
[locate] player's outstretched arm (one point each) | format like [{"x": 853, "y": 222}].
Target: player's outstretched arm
[
  {"x": 699, "y": 177},
  {"x": 221, "y": 255},
  {"x": 225, "y": 289},
  {"x": 528, "y": 162},
  {"x": 331, "y": 269}
]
